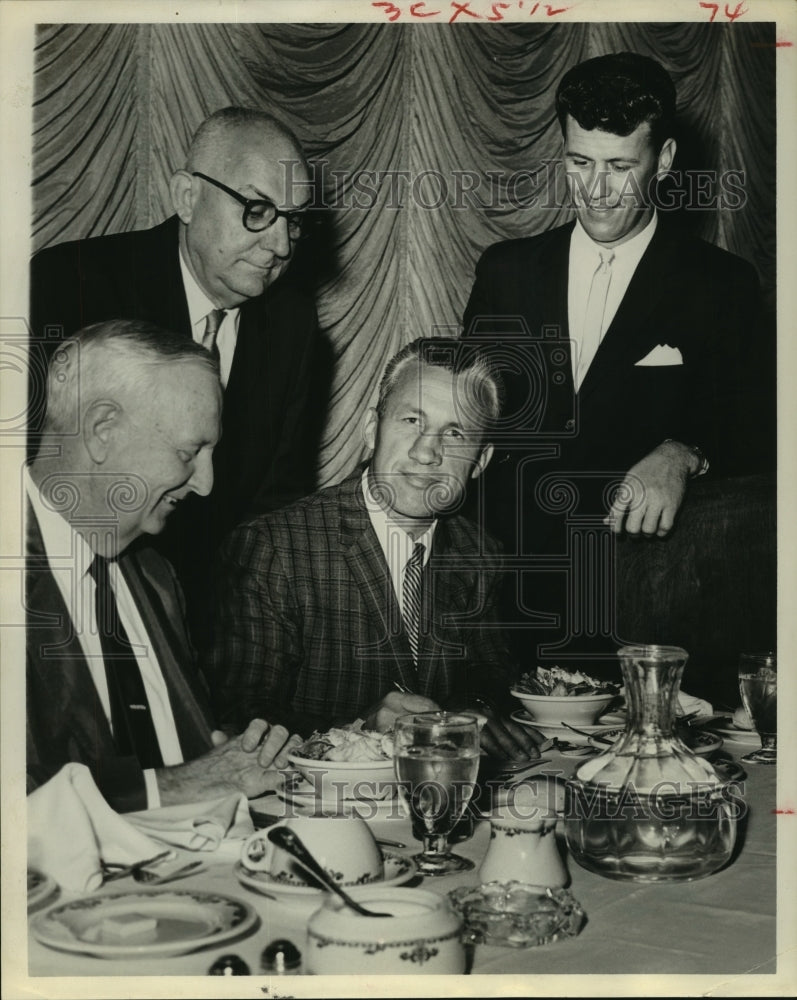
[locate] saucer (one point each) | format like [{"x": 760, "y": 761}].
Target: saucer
[
  {"x": 398, "y": 870},
  {"x": 303, "y": 797}
]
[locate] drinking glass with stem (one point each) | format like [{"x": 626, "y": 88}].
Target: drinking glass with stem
[
  {"x": 436, "y": 759},
  {"x": 758, "y": 685}
]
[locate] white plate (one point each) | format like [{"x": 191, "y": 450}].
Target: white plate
[
  {"x": 186, "y": 921},
  {"x": 733, "y": 735},
  {"x": 525, "y": 720},
  {"x": 398, "y": 870},
  {"x": 704, "y": 742},
  {"x": 40, "y": 887},
  {"x": 301, "y": 796}
]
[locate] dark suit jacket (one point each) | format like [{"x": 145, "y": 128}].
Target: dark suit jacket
[
  {"x": 65, "y": 718},
  {"x": 264, "y": 458},
  {"x": 309, "y": 631},
  {"x": 685, "y": 293}
]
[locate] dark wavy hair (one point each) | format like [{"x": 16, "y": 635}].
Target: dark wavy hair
[{"x": 617, "y": 93}]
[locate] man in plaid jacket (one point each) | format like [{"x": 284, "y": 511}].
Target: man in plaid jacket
[{"x": 323, "y": 619}]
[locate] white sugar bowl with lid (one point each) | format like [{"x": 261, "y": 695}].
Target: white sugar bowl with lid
[{"x": 422, "y": 935}]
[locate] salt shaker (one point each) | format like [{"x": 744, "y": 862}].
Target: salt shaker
[{"x": 280, "y": 958}]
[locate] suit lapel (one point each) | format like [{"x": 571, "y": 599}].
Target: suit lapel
[
  {"x": 632, "y": 332},
  {"x": 366, "y": 563},
  {"x": 55, "y": 658}
]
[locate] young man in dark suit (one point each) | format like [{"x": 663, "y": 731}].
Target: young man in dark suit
[
  {"x": 133, "y": 418},
  {"x": 214, "y": 272},
  {"x": 632, "y": 351},
  {"x": 332, "y": 608}
]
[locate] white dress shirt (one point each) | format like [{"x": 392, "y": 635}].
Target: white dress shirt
[
  {"x": 584, "y": 261},
  {"x": 396, "y": 543},
  {"x": 69, "y": 557},
  {"x": 199, "y": 305}
]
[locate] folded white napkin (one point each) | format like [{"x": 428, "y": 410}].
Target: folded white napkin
[
  {"x": 72, "y": 829},
  {"x": 196, "y": 826},
  {"x": 662, "y": 354},
  {"x": 687, "y": 704}
]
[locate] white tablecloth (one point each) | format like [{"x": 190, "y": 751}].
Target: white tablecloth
[{"x": 721, "y": 926}]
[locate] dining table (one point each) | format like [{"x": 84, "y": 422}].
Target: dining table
[{"x": 717, "y": 927}]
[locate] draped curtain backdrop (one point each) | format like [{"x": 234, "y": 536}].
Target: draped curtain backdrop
[{"x": 430, "y": 142}]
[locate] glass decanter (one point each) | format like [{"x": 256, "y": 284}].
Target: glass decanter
[{"x": 648, "y": 809}]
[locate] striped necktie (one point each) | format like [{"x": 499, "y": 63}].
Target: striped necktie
[
  {"x": 213, "y": 321},
  {"x": 411, "y": 594},
  {"x": 593, "y": 318},
  {"x": 131, "y": 717}
]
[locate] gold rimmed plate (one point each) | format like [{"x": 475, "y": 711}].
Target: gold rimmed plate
[{"x": 143, "y": 924}]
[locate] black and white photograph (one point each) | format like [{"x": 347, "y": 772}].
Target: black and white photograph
[{"x": 397, "y": 453}]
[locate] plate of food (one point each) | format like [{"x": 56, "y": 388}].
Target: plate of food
[
  {"x": 143, "y": 924},
  {"x": 551, "y": 696},
  {"x": 348, "y": 763},
  {"x": 398, "y": 870}
]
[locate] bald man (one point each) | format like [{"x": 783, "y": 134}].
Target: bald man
[{"x": 216, "y": 272}]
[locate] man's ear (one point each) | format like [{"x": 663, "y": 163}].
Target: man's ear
[
  {"x": 100, "y": 422},
  {"x": 482, "y": 461},
  {"x": 666, "y": 157},
  {"x": 370, "y": 423},
  {"x": 184, "y": 194}
]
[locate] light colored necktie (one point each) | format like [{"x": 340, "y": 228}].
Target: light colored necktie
[
  {"x": 592, "y": 330},
  {"x": 411, "y": 594},
  {"x": 213, "y": 321}
]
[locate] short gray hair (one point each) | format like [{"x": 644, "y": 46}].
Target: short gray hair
[
  {"x": 108, "y": 359},
  {"x": 479, "y": 387}
]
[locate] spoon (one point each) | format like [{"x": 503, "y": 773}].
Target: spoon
[{"x": 289, "y": 842}]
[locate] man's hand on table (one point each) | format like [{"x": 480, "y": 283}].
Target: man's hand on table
[
  {"x": 382, "y": 716},
  {"x": 505, "y": 739},
  {"x": 247, "y": 763},
  {"x": 653, "y": 490}
]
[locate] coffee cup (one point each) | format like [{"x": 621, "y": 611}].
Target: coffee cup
[{"x": 343, "y": 845}]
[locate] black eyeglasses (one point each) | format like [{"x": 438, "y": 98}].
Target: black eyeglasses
[{"x": 259, "y": 213}]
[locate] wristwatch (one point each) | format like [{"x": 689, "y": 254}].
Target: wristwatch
[{"x": 702, "y": 462}]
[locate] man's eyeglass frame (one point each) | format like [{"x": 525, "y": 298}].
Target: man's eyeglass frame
[{"x": 294, "y": 219}]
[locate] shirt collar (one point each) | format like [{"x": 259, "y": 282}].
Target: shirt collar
[
  {"x": 61, "y": 541},
  {"x": 630, "y": 253},
  {"x": 395, "y": 541}
]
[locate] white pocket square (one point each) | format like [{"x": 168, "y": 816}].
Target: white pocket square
[{"x": 662, "y": 354}]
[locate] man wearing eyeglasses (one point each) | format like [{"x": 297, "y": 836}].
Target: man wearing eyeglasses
[{"x": 214, "y": 271}]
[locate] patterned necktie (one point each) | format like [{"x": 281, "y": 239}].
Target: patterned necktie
[
  {"x": 411, "y": 594},
  {"x": 131, "y": 719},
  {"x": 593, "y": 318},
  {"x": 213, "y": 321}
]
